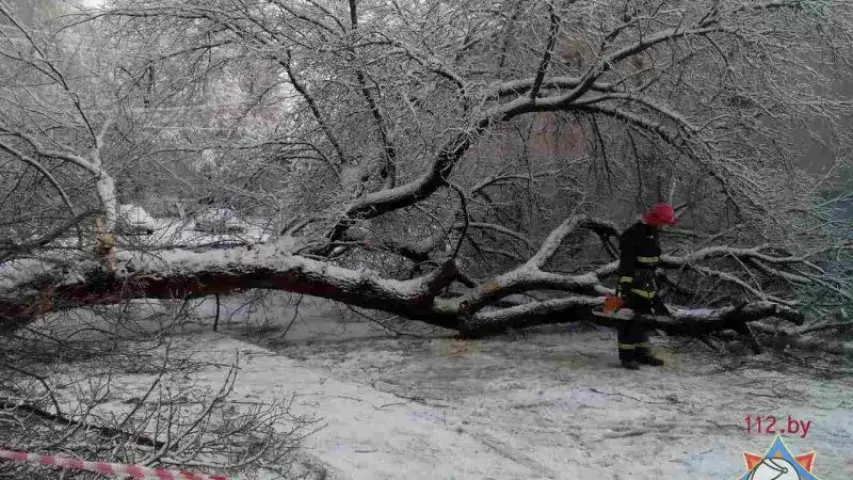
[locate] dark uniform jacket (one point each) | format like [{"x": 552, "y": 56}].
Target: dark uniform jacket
[{"x": 640, "y": 250}]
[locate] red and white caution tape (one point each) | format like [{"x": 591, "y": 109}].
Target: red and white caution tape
[{"x": 137, "y": 472}]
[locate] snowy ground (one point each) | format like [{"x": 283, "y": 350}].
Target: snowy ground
[{"x": 546, "y": 405}]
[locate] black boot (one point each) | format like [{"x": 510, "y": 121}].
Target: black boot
[{"x": 628, "y": 359}]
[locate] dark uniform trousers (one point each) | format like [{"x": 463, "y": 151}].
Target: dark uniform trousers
[
  {"x": 633, "y": 341},
  {"x": 639, "y": 259}
]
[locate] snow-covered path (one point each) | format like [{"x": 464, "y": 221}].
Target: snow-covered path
[
  {"x": 548, "y": 405},
  {"x": 368, "y": 434},
  {"x": 559, "y": 404}
]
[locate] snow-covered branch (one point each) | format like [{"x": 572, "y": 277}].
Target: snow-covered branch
[
  {"x": 684, "y": 322},
  {"x": 558, "y": 235},
  {"x": 181, "y": 274},
  {"x": 530, "y": 276},
  {"x": 104, "y": 183}
]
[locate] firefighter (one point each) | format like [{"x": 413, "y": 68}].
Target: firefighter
[{"x": 638, "y": 272}]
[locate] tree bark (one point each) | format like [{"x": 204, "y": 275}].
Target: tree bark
[{"x": 182, "y": 274}]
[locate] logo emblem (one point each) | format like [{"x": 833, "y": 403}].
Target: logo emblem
[{"x": 779, "y": 464}]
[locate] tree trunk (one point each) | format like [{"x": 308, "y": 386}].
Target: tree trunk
[{"x": 182, "y": 274}]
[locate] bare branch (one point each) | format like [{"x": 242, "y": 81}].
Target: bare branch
[
  {"x": 43, "y": 171},
  {"x": 389, "y": 170},
  {"x": 41, "y": 242},
  {"x": 549, "y": 47},
  {"x": 317, "y": 115}
]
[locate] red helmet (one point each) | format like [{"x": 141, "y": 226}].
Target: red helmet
[{"x": 660, "y": 214}]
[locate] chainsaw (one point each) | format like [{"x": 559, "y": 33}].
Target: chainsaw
[{"x": 614, "y": 307}]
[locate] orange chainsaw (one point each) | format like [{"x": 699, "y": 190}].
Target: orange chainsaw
[{"x": 614, "y": 307}]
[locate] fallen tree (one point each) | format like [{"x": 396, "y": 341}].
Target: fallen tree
[
  {"x": 181, "y": 274},
  {"x": 433, "y": 158},
  {"x": 388, "y": 154}
]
